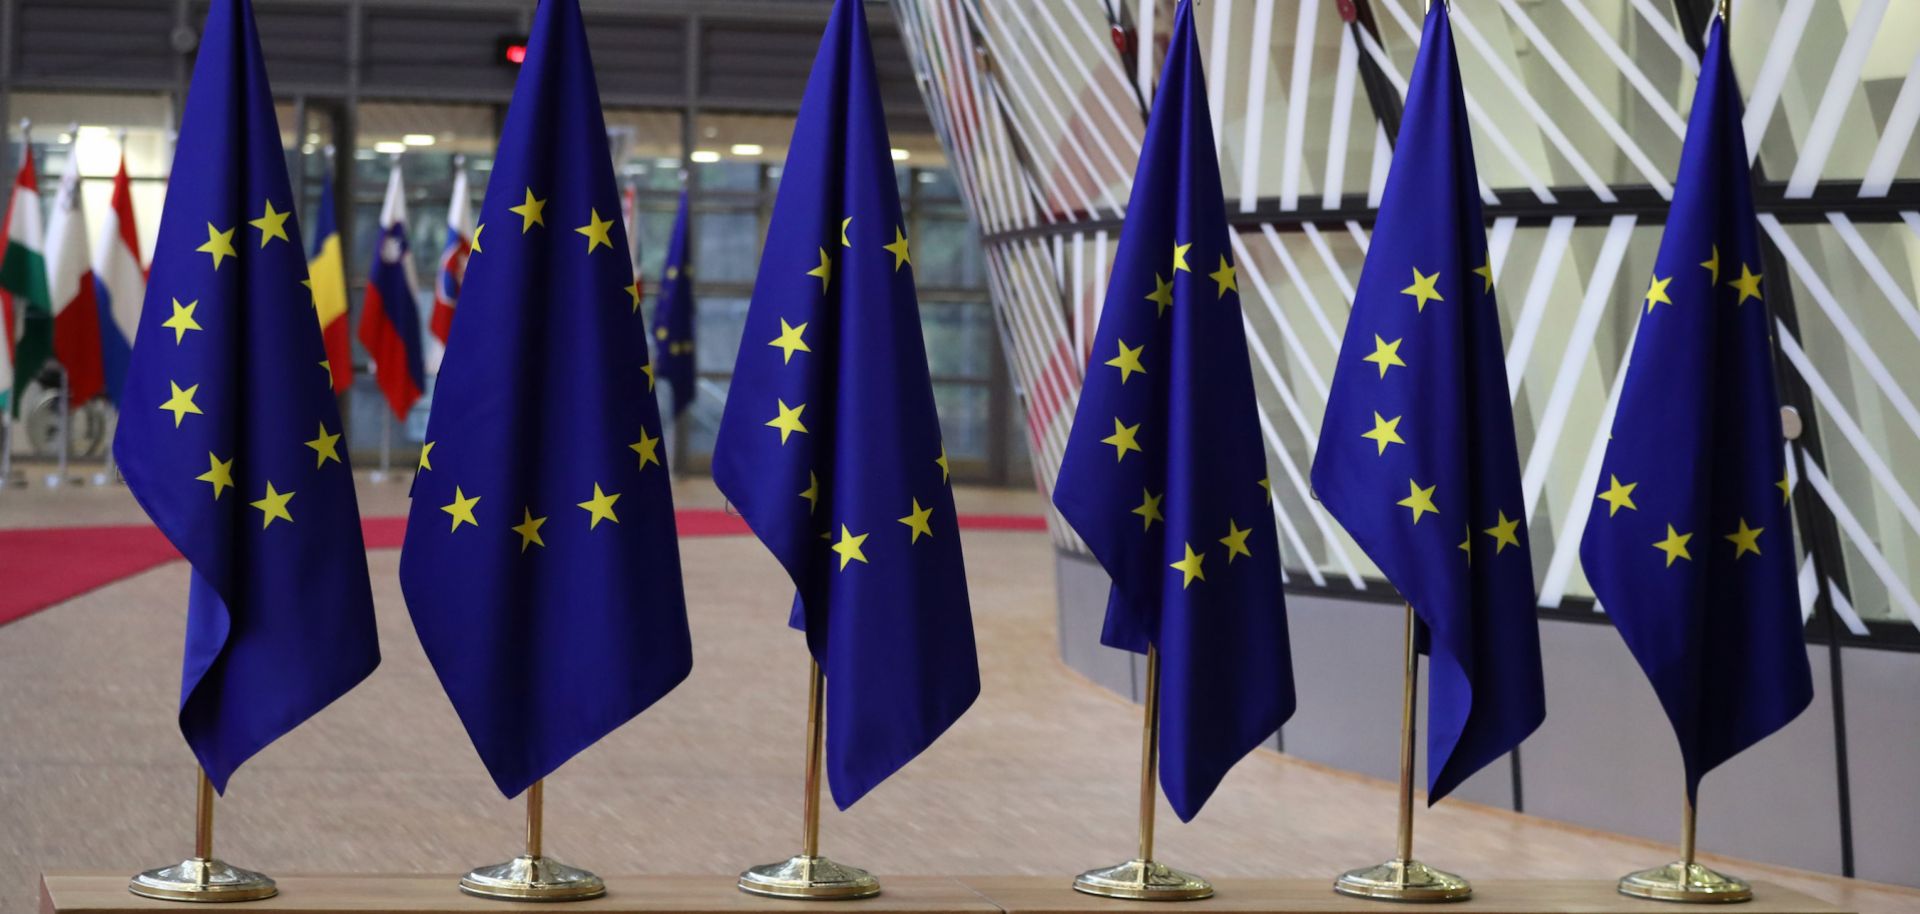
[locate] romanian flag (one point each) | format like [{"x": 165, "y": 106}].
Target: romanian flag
[{"x": 327, "y": 277}]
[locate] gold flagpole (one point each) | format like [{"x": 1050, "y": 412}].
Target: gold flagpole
[
  {"x": 809, "y": 875},
  {"x": 1685, "y": 880},
  {"x": 533, "y": 876},
  {"x": 1143, "y": 877},
  {"x": 1404, "y": 878},
  {"x": 201, "y": 877}
]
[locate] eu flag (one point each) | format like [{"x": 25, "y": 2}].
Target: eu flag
[
  {"x": 229, "y": 434},
  {"x": 830, "y": 446},
  {"x": 1416, "y": 456},
  {"x": 541, "y": 565},
  {"x": 1165, "y": 476},
  {"x": 673, "y": 317},
  {"x": 1693, "y": 555}
]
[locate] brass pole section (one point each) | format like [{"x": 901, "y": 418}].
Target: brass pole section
[
  {"x": 203, "y": 820},
  {"x": 536, "y": 815},
  {"x": 1686, "y": 840},
  {"x": 1408, "y": 692},
  {"x": 1149, "y": 752},
  {"x": 1726, "y": 11},
  {"x": 816, "y": 746}
]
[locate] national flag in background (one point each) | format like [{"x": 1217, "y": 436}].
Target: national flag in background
[
  {"x": 1165, "y": 475},
  {"x": 1693, "y": 555},
  {"x": 70, "y": 286},
  {"x": 453, "y": 257},
  {"x": 390, "y": 313},
  {"x": 120, "y": 284},
  {"x": 1417, "y": 456},
  {"x": 630, "y": 217},
  {"x": 830, "y": 443},
  {"x": 230, "y": 435},
  {"x": 23, "y": 281},
  {"x": 673, "y": 317},
  {"x": 327, "y": 277},
  {"x": 541, "y": 566}
]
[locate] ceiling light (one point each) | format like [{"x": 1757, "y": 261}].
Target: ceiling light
[
  {"x": 390, "y": 148},
  {"x": 901, "y": 155},
  {"x": 705, "y": 156},
  {"x": 418, "y": 139},
  {"x": 748, "y": 149}
]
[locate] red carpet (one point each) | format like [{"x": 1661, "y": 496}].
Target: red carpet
[{"x": 40, "y": 567}]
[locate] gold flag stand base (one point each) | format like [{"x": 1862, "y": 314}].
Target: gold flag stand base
[
  {"x": 532, "y": 879},
  {"x": 809, "y": 877},
  {"x": 202, "y": 880},
  {"x": 1681, "y": 881},
  {"x": 1143, "y": 880},
  {"x": 1403, "y": 880}
]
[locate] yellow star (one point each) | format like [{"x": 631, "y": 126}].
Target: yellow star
[
  {"x": 219, "y": 244},
  {"x": 1180, "y": 257},
  {"x": 1162, "y": 294},
  {"x": 532, "y": 212},
  {"x": 1419, "y": 500},
  {"x": 788, "y": 421},
  {"x": 901, "y": 256},
  {"x": 273, "y": 506},
  {"x": 945, "y": 470},
  {"x": 600, "y": 507},
  {"x": 1466, "y": 545},
  {"x": 1236, "y": 541},
  {"x": 1224, "y": 279},
  {"x": 849, "y": 547},
  {"x": 325, "y": 448},
  {"x": 1713, "y": 265},
  {"x": 824, "y": 270},
  {"x": 1745, "y": 540},
  {"x": 1505, "y": 533},
  {"x": 1618, "y": 496},
  {"x": 1786, "y": 489},
  {"x": 426, "y": 456},
  {"x": 634, "y": 290},
  {"x": 673, "y": 272},
  {"x": 843, "y": 232},
  {"x": 1423, "y": 290},
  {"x": 326, "y": 365},
  {"x": 529, "y": 529},
  {"x": 1189, "y": 567},
  {"x": 1149, "y": 509},
  {"x": 1122, "y": 439},
  {"x": 790, "y": 341},
  {"x": 812, "y": 492},
  {"x": 1128, "y": 361},
  {"x": 1675, "y": 545},
  {"x": 648, "y": 447},
  {"x": 461, "y": 509},
  {"x": 1657, "y": 293},
  {"x": 1485, "y": 272},
  {"x": 1748, "y": 284},
  {"x": 219, "y": 472},
  {"x": 597, "y": 231},
  {"x": 1385, "y": 432},
  {"x": 476, "y": 236},
  {"x": 1385, "y": 354},
  {"x": 181, "y": 403},
  {"x": 182, "y": 321},
  {"x": 648, "y": 368},
  {"x": 917, "y": 521},
  {"x": 272, "y": 225},
  {"x": 1266, "y": 485}
]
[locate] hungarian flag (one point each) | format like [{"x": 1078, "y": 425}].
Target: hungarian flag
[
  {"x": 390, "y": 319},
  {"x": 327, "y": 277},
  {"x": 119, "y": 284},
  {"x": 453, "y": 259},
  {"x": 23, "y": 284},
  {"x": 76, "y": 312}
]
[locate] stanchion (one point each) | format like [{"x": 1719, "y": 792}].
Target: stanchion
[
  {"x": 202, "y": 877},
  {"x": 1684, "y": 880},
  {"x": 59, "y": 476},
  {"x": 6, "y": 449},
  {"x": 1144, "y": 878},
  {"x": 533, "y": 876},
  {"x": 1404, "y": 878},
  {"x": 809, "y": 875},
  {"x": 386, "y": 450}
]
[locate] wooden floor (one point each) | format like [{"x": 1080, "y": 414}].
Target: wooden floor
[{"x": 1039, "y": 779}]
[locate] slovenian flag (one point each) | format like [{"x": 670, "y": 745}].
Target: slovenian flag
[
  {"x": 70, "y": 287},
  {"x": 453, "y": 261},
  {"x": 390, "y": 319},
  {"x": 120, "y": 284}
]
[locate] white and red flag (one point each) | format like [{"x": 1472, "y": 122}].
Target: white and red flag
[
  {"x": 70, "y": 287},
  {"x": 120, "y": 284}
]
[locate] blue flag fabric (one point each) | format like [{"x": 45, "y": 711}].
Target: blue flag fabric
[
  {"x": 229, "y": 435},
  {"x": 673, "y": 318},
  {"x": 1693, "y": 555},
  {"x": 1165, "y": 475},
  {"x": 1417, "y": 457},
  {"x": 541, "y": 565},
  {"x": 830, "y": 444}
]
